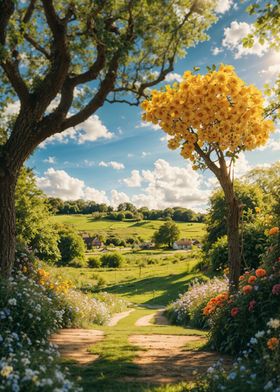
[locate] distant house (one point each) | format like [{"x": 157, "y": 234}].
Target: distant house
[
  {"x": 147, "y": 245},
  {"x": 96, "y": 243},
  {"x": 184, "y": 243}
]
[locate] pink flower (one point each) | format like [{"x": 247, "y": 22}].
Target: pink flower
[
  {"x": 251, "y": 306},
  {"x": 276, "y": 289}
]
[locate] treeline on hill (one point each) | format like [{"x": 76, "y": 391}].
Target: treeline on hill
[{"x": 125, "y": 211}]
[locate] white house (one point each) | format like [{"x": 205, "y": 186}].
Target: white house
[{"x": 184, "y": 243}]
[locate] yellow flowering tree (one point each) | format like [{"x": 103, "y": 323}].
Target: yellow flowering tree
[{"x": 212, "y": 118}]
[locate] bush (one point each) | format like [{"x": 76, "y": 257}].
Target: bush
[
  {"x": 248, "y": 311},
  {"x": 71, "y": 246},
  {"x": 94, "y": 262},
  {"x": 29, "y": 315},
  {"x": 218, "y": 255},
  {"x": 112, "y": 260},
  {"x": 188, "y": 309},
  {"x": 255, "y": 370}
]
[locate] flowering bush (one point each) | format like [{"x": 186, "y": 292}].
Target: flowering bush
[
  {"x": 244, "y": 313},
  {"x": 83, "y": 310},
  {"x": 188, "y": 309},
  {"x": 255, "y": 370},
  {"x": 29, "y": 314}
]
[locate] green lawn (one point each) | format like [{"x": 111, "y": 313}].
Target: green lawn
[
  {"x": 152, "y": 284},
  {"x": 145, "y": 229}
]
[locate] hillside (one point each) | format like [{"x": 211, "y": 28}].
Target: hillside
[{"x": 124, "y": 229}]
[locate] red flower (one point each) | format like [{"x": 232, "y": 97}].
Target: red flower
[
  {"x": 247, "y": 289},
  {"x": 276, "y": 289},
  {"x": 252, "y": 279},
  {"x": 251, "y": 306},
  {"x": 234, "y": 312},
  {"x": 260, "y": 272}
]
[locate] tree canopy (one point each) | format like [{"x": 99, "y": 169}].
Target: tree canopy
[{"x": 167, "y": 234}]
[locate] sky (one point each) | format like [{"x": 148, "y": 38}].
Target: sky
[{"x": 115, "y": 157}]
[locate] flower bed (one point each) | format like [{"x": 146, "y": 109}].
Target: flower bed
[{"x": 188, "y": 309}]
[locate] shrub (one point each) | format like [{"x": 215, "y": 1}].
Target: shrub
[
  {"x": 255, "y": 370},
  {"x": 188, "y": 309},
  {"x": 112, "y": 260},
  {"x": 71, "y": 246},
  {"x": 218, "y": 255},
  {"x": 94, "y": 262},
  {"x": 29, "y": 314},
  {"x": 248, "y": 311}
]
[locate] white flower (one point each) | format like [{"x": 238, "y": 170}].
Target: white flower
[
  {"x": 259, "y": 334},
  {"x": 269, "y": 385},
  {"x": 231, "y": 376},
  {"x": 12, "y": 302},
  {"x": 253, "y": 341},
  {"x": 274, "y": 323}
]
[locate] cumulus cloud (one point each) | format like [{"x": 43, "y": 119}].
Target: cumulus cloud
[
  {"x": 168, "y": 185},
  {"x": 118, "y": 198},
  {"x": 88, "y": 131},
  {"x": 233, "y": 36},
  {"x": 50, "y": 160},
  {"x": 223, "y": 6},
  {"x": 215, "y": 51},
  {"x": 145, "y": 124},
  {"x": 134, "y": 180},
  {"x": 173, "y": 77},
  {"x": 115, "y": 165},
  {"x": 58, "y": 183}
]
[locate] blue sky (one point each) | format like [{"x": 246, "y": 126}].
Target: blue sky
[{"x": 114, "y": 157}]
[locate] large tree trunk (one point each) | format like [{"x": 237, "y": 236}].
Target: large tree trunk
[
  {"x": 234, "y": 251},
  {"x": 7, "y": 223}
]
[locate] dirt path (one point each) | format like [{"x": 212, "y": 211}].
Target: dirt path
[
  {"x": 158, "y": 317},
  {"x": 118, "y": 316},
  {"x": 73, "y": 344},
  {"x": 167, "y": 360}
]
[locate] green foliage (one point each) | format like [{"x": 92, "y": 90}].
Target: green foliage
[
  {"x": 217, "y": 255},
  {"x": 167, "y": 234},
  {"x": 33, "y": 218},
  {"x": 112, "y": 260},
  {"x": 249, "y": 196},
  {"x": 94, "y": 262},
  {"x": 257, "y": 301},
  {"x": 71, "y": 246}
]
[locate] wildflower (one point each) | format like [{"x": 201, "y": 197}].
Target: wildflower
[
  {"x": 241, "y": 277},
  {"x": 259, "y": 334},
  {"x": 252, "y": 305},
  {"x": 273, "y": 343},
  {"x": 234, "y": 312},
  {"x": 253, "y": 341},
  {"x": 6, "y": 371},
  {"x": 273, "y": 230},
  {"x": 274, "y": 323},
  {"x": 276, "y": 289},
  {"x": 247, "y": 289},
  {"x": 12, "y": 302},
  {"x": 252, "y": 279},
  {"x": 260, "y": 272}
]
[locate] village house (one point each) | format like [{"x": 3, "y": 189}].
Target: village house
[{"x": 184, "y": 243}]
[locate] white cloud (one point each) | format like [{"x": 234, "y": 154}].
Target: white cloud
[
  {"x": 58, "y": 183},
  {"x": 51, "y": 160},
  {"x": 118, "y": 198},
  {"x": 233, "y": 36},
  {"x": 115, "y": 165},
  {"x": 215, "y": 51},
  {"x": 241, "y": 165},
  {"x": 134, "y": 180},
  {"x": 272, "y": 144},
  {"x": 88, "y": 131},
  {"x": 173, "y": 77},
  {"x": 165, "y": 138},
  {"x": 145, "y": 124},
  {"x": 223, "y": 6},
  {"x": 171, "y": 185},
  {"x": 145, "y": 154}
]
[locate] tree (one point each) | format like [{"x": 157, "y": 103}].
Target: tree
[
  {"x": 71, "y": 246},
  {"x": 266, "y": 30},
  {"x": 212, "y": 118},
  {"x": 33, "y": 225},
  {"x": 76, "y": 55},
  {"x": 167, "y": 234}
]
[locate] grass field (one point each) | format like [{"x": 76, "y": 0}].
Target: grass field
[
  {"x": 125, "y": 229},
  {"x": 156, "y": 284}
]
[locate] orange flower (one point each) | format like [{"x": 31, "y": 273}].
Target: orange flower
[
  {"x": 273, "y": 343},
  {"x": 252, "y": 279},
  {"x": 241, "y": 277},
  {"x": 273, "y": 230},
  {"x": 247, "y": 289},
  {"x": 234, "y": 312},
  {"x": 260, "y": 272}
]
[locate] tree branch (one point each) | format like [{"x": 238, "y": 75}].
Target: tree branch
[
  {"x": 7, "y": 8},
  {"x": 29, "y": 11},
  {"x": 11, "y": 70},
  {"x": 214, "y": 168},
  {"x": 37, "y": 46}
]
